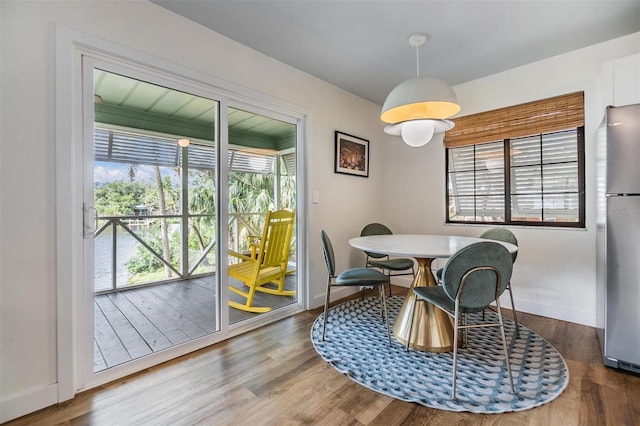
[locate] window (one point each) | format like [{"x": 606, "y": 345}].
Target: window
[{"x": 520, "y": 179}]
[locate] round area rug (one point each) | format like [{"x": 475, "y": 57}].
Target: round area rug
[{"x": 356, "y": 345}]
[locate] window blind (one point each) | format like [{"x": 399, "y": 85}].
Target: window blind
[{"x": 532, "y": 118}]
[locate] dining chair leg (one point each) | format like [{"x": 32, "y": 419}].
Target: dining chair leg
[
  {"x": 386, "y": 313},
  {"x": 326, "y": 307},
  {"x": 504, "y": 345},
  {"x": 465, "y": 331},
  {"x": 513, "y": 310},
  {"x": 455, "y": 353}
]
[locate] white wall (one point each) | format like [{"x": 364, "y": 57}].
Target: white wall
[
  {"x": 555, "y": 272},
  {"x": 28, "y": 289}
]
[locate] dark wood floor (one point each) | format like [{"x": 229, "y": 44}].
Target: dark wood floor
[
  {"x": 273, "y": 376},
  {"x": 133, "y": 323}
]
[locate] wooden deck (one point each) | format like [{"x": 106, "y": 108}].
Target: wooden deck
[{"x": 133, "y": 323}]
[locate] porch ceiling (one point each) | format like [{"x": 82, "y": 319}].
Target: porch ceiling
[{"x": 137, "y": 104}]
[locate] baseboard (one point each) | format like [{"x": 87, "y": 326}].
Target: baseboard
[
  {"x": 550, "y": 311},
  {"x": 336, "y": 294},
  {"x": 28, "y": 402},
  {"x": 402, "y": 281}
]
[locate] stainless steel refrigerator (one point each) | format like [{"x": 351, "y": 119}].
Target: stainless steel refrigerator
[{"x": 618, "y": 237}]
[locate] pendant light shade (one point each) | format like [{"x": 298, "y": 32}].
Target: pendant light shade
[
  {"x": 421, "y": 97},
  {"x": 416, "y": 109}
]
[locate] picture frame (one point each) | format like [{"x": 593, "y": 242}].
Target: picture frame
[{"x": 351, "y": 155}]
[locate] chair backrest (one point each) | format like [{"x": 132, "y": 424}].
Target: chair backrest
[
  {"x": 483, "y": 286},
  {"x": 275, "y": 242},
  {"x": 329, "y": 256},
  {"x": 375, "y": 229},
  {"x": 501, "y": 234}
]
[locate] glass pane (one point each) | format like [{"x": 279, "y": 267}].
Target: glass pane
[
  {"x": 560, "y": 147},
  {"x": 202, "y": 156},
  {"x": 461, "y": 209},
  {"x": 561, "y": 208},
  {"x": 103, "y": 258},
  {"x": 561, "y": 177},
  {"x": 461, "y": 183},
  {"x": 154, "y": 192},
  {"x": 163, "y": 237},
  {"x": 526, "y": 207},
  {"x": 525, "y": 151},
  {"x": 526, "y": 180},
  {"x": 490, "y": 156},
  {"x": 461, "y": 159},
  {"x": 490, "y": 208},
  {"x": 262, "y": 178},
  {"x": 202, "y": 219},
  {"x": 490, "y": 182}
]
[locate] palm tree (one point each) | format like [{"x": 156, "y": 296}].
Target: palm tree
[{"x": 164, "y": 231}]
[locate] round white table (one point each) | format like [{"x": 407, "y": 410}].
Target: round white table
[{"x": 434, "y": 331}]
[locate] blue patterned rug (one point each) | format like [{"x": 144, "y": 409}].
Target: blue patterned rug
[{"x": 356, "y": 345}]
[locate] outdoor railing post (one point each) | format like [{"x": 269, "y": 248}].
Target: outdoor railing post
[{"x": 114, "y": 257}]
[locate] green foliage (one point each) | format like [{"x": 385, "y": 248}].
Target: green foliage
[
  {"x": 145, "y": 261},
  {"x": 248, "y": 193},
  {"x": 202, "y": 192},
  {"x": 118, "y": 198}
]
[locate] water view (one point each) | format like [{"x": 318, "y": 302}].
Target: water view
[{"x": 126, "y": 249}]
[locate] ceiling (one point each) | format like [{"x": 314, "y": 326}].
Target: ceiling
[{"x": 362, "y": 46}]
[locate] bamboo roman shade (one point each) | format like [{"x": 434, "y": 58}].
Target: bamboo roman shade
[{"x": 543, "y": 116}]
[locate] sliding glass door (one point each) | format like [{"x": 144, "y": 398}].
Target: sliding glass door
[
  {"x": 167, "y": 194},
  {"x": 154, "y": 202},
  {"x": 262, "y": 178}
]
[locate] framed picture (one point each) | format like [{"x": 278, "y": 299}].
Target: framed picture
[{"x": 352, "y": 155}]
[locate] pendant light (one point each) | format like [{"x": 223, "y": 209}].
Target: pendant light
[{"x": 418, "y": 108}]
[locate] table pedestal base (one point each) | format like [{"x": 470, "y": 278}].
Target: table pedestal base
[{"x": 433, "y": 329}]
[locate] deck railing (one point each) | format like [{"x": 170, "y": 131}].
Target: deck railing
[{"x": 136, "y": 228}]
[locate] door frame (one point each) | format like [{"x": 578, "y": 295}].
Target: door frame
[{"x": 74, "y": 316}]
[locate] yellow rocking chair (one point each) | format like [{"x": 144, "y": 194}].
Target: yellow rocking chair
[{"x": 267, "y": 263}]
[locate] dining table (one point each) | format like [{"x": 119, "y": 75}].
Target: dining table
[{"x": 433, "y": 328}]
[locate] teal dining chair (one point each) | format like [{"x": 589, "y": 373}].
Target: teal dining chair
[
  {"x": 505, "y": 235},
  {"x": 354, "y": 277},
  {"x": 392, "y": 266},
  {"x": 472, "y": 279}
]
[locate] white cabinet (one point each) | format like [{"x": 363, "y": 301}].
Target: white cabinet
[{"x": 621, "y": 81}]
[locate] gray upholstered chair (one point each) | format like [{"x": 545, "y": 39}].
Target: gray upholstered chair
[
  {"x": 354, "y": 277},
  {"x": 392, "y": 266},
  {"x": 505, "y": 235},
  {"x": 472, "y": 279}
]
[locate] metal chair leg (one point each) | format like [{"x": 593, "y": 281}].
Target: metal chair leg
[
  {"x": 326, "y": 307},
  {"x": 504, "y": 346},
  {"x": 465, "y": 331},
  {"x": 513, "y": 309},
  {"x": 455, "y": 354},
  {"x": 386, "y": 312}
]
